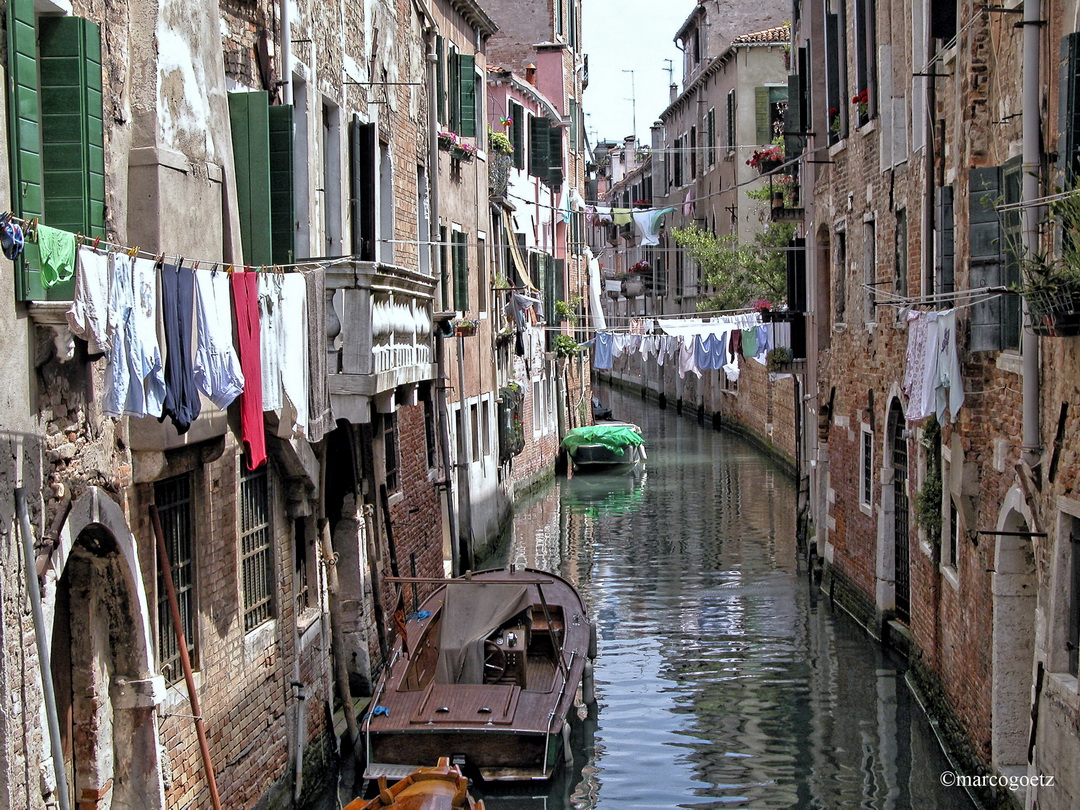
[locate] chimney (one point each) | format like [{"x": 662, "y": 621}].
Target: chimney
[{"x": 530, "y": 74}]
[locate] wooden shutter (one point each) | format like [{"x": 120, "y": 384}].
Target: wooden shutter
[
  {"x": 833, "y": 83},
  {"x": 796, "y": 275},
  {"x": 1069, "y": 109},
  {"x": 731, "y": 120},
  {"x": 761, "y": 115},
  {"x": 282, "y": 204},
  {"x": 711, "y": 135},
  {"x": 986, "y": 256},
  {"x": 250, "y": 121},
  {"x": 517, "y": 133},
  {"x": 362, "y": 158},
  {"x": 453, "y": 89},
  {"x": 440, "y": 77},
  {"x": 24, "y": 124},
  {"x": 461, "y": 271},
  {"x": 467, "y": 89},
  {"x": 539, "y": 146},
  {"x": 793, "y": 119},
  {"x": 944, "y": 255},
  {"x": 555, "y": 156}
]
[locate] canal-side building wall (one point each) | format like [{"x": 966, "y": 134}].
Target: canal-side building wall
[{"x": 902, "y": 218}]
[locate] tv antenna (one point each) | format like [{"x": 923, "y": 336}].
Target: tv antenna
[{"x": 670, "y": 71}]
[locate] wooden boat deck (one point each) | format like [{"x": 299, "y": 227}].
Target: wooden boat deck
[{"x": 490, "y": 722}]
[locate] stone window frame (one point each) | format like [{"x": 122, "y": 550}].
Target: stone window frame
[{"x": 187, "y": 592}]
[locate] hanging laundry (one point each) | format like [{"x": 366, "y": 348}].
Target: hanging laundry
[
  {"x": 604, "y": 215},
  {"x": 749, "y": 342},
  {"x": 649, "y": 222},
  {"x": 217, "y": 368},
  {"x": 687, "y": 360},
  {"x": 735, "y": 346},
  {"x": 920, "y": 377},
  {"x": 88, "y": 315},
  {"x": 622, "y": 216},
  {"x": 688, "y": 203},
  {"x": 718, "y": 351},
  {"x": 57, "y": 249},
  {"x": 949, "y": 388},
  {"x": 182, "y": 401},
  {"x": 294, "y": 347},
  {"x": 245, "y": 287},
  {"x": 270, "y": 338},
  {"x": 701, "y": 352},
  {"x": 145, "y": 355},
  {"x": 119, "y": 376},
  {"x": 602, "y": 349},
  {"x": 319, "y": 418}
]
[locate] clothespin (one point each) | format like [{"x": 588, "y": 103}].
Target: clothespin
[
  {"x": 133, "y": 252},
  {"x": 196, "y": 267},
  {"x": 97, "y": 241},
  {"x": 78, "y": 240},
  {"x": 213, "y": 270},
  {"x": 31, "y": 229},
  {"x": 229, "y": 270}
]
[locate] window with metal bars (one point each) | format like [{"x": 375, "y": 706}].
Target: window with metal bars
[
  {"x": 173, "y": 500},
  {"x": 866, "y": 484},
  {"x": 256, "y": 546}
]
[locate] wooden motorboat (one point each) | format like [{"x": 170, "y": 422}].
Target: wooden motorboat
[
  {"x": 439, "y": 788},
  {"x": 486, "y": 673},
  {"x": 610, "y": 446}
]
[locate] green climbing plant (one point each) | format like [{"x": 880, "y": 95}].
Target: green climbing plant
[{"x": 928, "y": 500}]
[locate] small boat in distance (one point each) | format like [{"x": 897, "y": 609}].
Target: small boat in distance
[
  {"x": 610, "y": 446},
  {"x": 486, "y": 672},
  {"x": 441, "y": 787}
]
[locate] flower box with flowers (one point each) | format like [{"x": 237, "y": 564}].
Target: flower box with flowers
[
  {"x": 448, "y": 140},
  {"x": 463, "y": 151},
  {"x": 862, "y": 103},
  {"x": 767, "y": 159},
  {"x": 465, "y": 327}
]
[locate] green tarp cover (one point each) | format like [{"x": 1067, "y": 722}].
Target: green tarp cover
[{"x": 614, "y": 437}]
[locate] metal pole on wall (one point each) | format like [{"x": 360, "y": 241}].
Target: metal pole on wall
[
  {"x": 185, "y": 660},
  {"x": 44, "y": 659}
]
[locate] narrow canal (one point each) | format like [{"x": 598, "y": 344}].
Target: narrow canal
[{"x": 724, "y": 677}]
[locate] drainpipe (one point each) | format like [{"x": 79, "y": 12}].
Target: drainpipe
[
  {"x": 285, "y": 18},
  {"x": 1032, "y": 168},
  {"x": 44, "y": 659},
  {"x": 465, "y": 527},
  {"x": 301, "y": 738}
]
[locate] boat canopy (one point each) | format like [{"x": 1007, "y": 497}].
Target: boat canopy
[
  {"x": 614, "y": 437},
  {"x": 470, "y": 614}
]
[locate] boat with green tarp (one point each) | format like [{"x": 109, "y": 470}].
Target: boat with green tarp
[{"x": 612, "y": 445}]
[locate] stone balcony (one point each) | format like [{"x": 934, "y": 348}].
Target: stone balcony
[{"x": 379, "y": 333}]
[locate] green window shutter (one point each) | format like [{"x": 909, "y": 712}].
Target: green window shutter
[
  {"x": 761, "y": 115},
  {"x": 282, "y": 205},
  {"x": 730, "y": 120},
  {"x": 945, "y": 253},
  {"x": 24, "y": 122},
  {"x": 711, "y": 135},
  {"x": 793, "y": 122},
  {"x": 453, "y": 89},
  {"x": 539, "y": 146},
  {"x": 461, "y": 271},
  {"x": 362, "y": 156},
  {"x": 467, "y": 89},
  {"x": 440, "y": 77},
  {"x": 986, "y": 257},
  {"x": 555, "y": 156},
  {"x": 574, "y": 125},
  {"x": 517, "y": 133},
  {"x": 1069, "y": 107},
  {"x": 444, "y": 269},
  {"x": 250, "y": 121}
]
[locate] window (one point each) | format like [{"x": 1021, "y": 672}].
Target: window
[
  {"x": 263, "y": 156},
  {"x": 440, "y": 77},
  {"x": 304, "y": 567},
  {"x": 174, "y": 506},
  {"x": 362, "y": 145},
  {"x": 769, "y": 106},
  {"x": 678, "y": 149},
  {"x": 460, "y": 261},
  {"x": 731, "y": 120},
  {"x": 870, "y": 271},
  {"x": 465, "y": 95},
  {"x": 943, "y": 19},
  {"x": 836, "y": 73},
  {"x": 474, "y": 425},
  {"x": 329, "y": 195},
  {"x": 900, "y": 286},
  {"x": 537, "y": 407},
  {"x": 57, "y": 133},
  {"x": 575, "y": 128},
  {"x": 429, "y": 432},
  {"x": 390, "y": 451},
  {"x": 545, "y": 151},
  {"x": 1069, "y": 123},
  {"x": 952, "y": 533},
  {"x": 710, "y": 135},
  {"x": 517, "y": 133},
  {"x": 485, "y": 429},
  {"x": 865, "y": 60},
  {"x": 840, "y": 298},
  {"x": 943, "y": 279},
  {"x": 866, "y": 469},
  {"x": 995, "y": 324},
  {"x": 444, "y": 265},
  {"x": 483, "y": 283},
  {"x": 693, "y": 152},
  {"x": 256, "y": 546}
]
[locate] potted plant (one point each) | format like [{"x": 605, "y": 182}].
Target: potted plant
[
  {"x": 448, "y": 140},
  {"x": 566, "y": 346},
  {"x": 778, "y": 359},
  {"x": 465, "y": 327},
  {"x": 462, "y": 151},
  {"x": 767, "y": 159},
  {"x": 499, "y": 143},
  {"x": 565, "y": 312},
  {"x": 1051, "y": 283}
]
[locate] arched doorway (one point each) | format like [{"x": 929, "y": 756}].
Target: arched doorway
[
  {"x": 106, "y": 690},
  {"x": 1014, "y": 589},
  {"x": 898, "y": 462}
]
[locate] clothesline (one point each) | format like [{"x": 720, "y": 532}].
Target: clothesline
[{"x": 30, "y": 228}]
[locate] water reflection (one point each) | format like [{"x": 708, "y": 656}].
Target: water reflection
[{"x": 723, "y": 679}]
